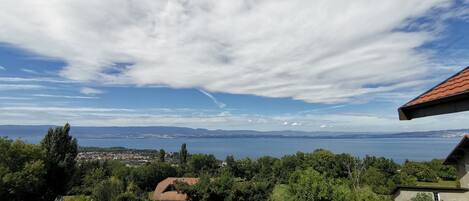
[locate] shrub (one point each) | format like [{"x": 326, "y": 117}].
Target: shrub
[{"x": 422, "y": 197}]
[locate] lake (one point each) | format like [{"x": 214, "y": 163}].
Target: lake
[{"x": 398, "y": 149}]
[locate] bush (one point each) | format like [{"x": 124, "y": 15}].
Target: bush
[
  {"x": 22, "y": 171},
  {"x": 422, "y": 197},
  {"x": 203, "y": 164},
  {"x": 148, "y": 176},
  {"x": 420, "y": 171},
  {"x": 309, "y": 185},
  {"x": 127, "y": 196},
  {"x": 225, "y": 188},
  {"x": 108, "y": 190}
]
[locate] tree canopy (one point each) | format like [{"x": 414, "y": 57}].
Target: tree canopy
[{"x": 49, "y": 170}]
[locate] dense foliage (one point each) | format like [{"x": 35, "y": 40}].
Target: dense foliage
[
  {"x": 423, "y": 197},
  {"x": 60, "y": 151},
  {"x": 37, "y": 172},
  {"x": 49, "y": 170},
  {"x": 226, "y": 187}
]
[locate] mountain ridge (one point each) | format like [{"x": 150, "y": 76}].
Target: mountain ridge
[{"x": 100, "y": 132}]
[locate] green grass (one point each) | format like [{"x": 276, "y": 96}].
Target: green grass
[
  {"x": 280, "y": 193},
  {"x": 439, "y": 184},
  {"x": 77, "y": 198}
]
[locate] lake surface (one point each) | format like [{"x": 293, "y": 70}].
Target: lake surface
[{"x": 398, "y": 149}]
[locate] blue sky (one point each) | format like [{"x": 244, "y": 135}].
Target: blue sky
[{"x": 271, "y": 65}]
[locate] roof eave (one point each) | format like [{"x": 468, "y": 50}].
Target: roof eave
[
  {"x": 451, "y": 104},
  {"x": 450, "y": 159},
  {"x": 429, "y": 188}
]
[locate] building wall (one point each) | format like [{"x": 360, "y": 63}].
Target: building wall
[
  {"x": 407, "y": 195},
  {"x": 462, "y": 171},
  {"x": 446, "y": 196}
]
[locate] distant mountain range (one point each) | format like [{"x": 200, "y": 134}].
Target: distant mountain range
[{"x": 15, "y": 131}]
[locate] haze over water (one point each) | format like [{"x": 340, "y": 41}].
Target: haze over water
[{"x": 398, "y": 149}]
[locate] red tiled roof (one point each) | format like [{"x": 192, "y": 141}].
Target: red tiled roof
[
  {"x": 161, "y": 193},
  {"x": 455, "y": 85}
]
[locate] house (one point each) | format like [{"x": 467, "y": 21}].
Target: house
[
  {"x": 459, "y": 157},
  {"x": 450, "y": 96},
  {"x": 166, "y": 191}
]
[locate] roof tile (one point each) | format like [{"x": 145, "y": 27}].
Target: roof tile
[
  {"x": 453, "y": 86},
  {"x": 161, "y": 194}
]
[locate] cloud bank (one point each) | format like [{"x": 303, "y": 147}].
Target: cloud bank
[
  {"x": 317, "y": 51},
  {"x": 99, "y": 116}
]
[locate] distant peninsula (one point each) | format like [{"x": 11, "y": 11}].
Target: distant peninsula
[{"x": 165, "y": 132}]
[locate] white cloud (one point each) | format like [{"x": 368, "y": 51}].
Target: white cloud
[
  {"x": 295, "y": 124},
  {"x": 286, "y": 123},
  {"x": 13, "y": 87},
  {"x": 214, "y": 100},
  {"x": 30, "y": 71},
  {"x": 322, "y": 109},
  {"x": 96, "y": 116},
  {"x": 14, "y": 98},
  {"x": 63, "y": 96},
  {"x": 37, "y": 79},
  {"x": 90, "y": 91},
  {"x": 321, "y": 51},
  {"x": 2, "y": 68},
  {"x": 65, "y": 109}
]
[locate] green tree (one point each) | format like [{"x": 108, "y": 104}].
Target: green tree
[
  {"x": 366, "y": 194},
  {"x": 95, "y": 177},
  {"x": 203, "y": 164},
  {"x": 324, "y": 162},
  {"x": 378, "y": 181},
  {"x": 225, "y": 188},
  {"x": 60, "y": 151},
  {"x": 232, "y": 165},
  {"x": 85, "y": 172},
  {"x": 420, "y": 171},
  {"x": 445, "y": 172},
  {"x": 119, "y": 170},
  {"x": 149, "y": 175},
  {"x": 285, "y": 166},
  {"x": 22, "y": 171},
  {"x": 247, "y": 169},
  {"x": 386, "y": 166},
  {"x": 108, "y": 190},
  {"x": 208, "y": 189},
  {"x": 422, "y": 197},
  {"x": 127, "y": 196},
  {"x": 381, "y": 174},
  {"x": 306, "y": 185},
  {"x": 250, "y": 191},
  {"x": 263, "y": 167},
  {"x": 404, "y": 179},
  {"x": 162, "y": 155},
  {"x": 183, "y": 154}
]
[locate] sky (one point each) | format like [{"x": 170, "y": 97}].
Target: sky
[{"x": 322, "y": 65}]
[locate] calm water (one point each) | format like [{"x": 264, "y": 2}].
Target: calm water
[{"x": 399, "y": 149}]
